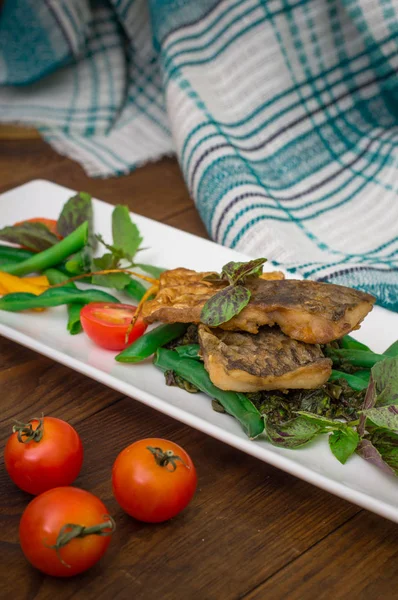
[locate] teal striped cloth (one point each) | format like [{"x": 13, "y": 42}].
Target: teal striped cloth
[{"x": 283, "y": 114}]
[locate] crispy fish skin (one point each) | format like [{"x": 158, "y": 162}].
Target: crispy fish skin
[
  {"x": 268, "y": 360},
  {"x": 308, "y": 311}
]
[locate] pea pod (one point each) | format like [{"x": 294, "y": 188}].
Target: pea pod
[
  {"x": 392, "y": 351},
  {"x": 53, "y": 297},
  {"x": 55, "y": 277},
  {"x": 147, "y": 344},
  {"x": 357, "y": 358},
  {"x": 51, "y": 256},
  {"x": 349, "y": 343},
  {"x": 237, "y": 405},
  {"x": 356, "y": 383}
]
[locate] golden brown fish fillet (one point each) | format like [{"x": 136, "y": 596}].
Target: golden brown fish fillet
[
  {"x": 267, "y": 360},
  {"x": 308, "y": 311}
]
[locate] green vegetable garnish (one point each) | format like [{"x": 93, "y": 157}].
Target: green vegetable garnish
[
  {"x": 229, "y": 301},
  {"x": 52, "y": 256}
]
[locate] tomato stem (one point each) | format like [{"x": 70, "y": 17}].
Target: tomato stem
[
  {"x": 70, "y": 531},
  {"x": 164, "y": 458},
  {"x": 26, "y": 433}
]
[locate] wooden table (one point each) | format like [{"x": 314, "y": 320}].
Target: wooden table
[{"x": 251, "y": 531}]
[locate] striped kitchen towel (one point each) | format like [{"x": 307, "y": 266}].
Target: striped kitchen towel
[{"x": 283, "y": 114}]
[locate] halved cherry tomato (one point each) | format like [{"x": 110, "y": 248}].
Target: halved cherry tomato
[
  {"x": 153, "y": 480},
  {"x": 107, "y": 324},
  {"x": 51, "y": 224},
  {"x": 65, "y": 531},
  {"x": 43, "y": 454}
]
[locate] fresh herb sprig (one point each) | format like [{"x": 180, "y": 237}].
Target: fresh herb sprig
[{"x": 232, "y": 299}]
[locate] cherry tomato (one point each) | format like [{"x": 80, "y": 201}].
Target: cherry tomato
[
  {"x": 153, "y": 480},
  {"x": 65, "y": 531},
  {"x": 51, "y": 224},
  {"x": 43, "y": 454},
  {"x": 107, "y": 324}
]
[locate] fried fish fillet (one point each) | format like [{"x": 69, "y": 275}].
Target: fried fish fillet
[
  {"x": 307, "y": 311},
  {"x": 267, "y": 360}
]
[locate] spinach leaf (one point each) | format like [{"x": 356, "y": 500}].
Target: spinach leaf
[{"x": 35, "y": 236}]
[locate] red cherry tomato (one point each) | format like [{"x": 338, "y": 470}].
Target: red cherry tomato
[
  {"x": 107, "y": 324},
  {"x": 153, "y": 480},
  {"x": 51, "y": 224},
  {"x": 43, "y": 454},
  {"x": 62, "y": 513}
]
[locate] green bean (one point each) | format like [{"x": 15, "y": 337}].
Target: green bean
[
  {"x": 237, "y": 405},
  {"x": 75, "y": 265},
  {"x": 55, "y": 277},
  {"x": 51, "y": 256},
  {"x": 135, "y": 289},
  {"x": 392, "y": 350},
  {"x": 357, "y": 358},
  {"x": 363, "y": 374},
  {"x": 14, "y": 254},
  {"x": 53, "y": 297},
  {"x": 188, "y": 351},
  {"x": 349, "y": 343},
  {"x": 74, "y": 325},
  {"x": 147, "y": 344},
  {"x": 356, "y": 383}
]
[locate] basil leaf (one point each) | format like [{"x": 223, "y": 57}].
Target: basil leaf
[
  {"x": 126, "y": 235},
  {"x": 292, "y": 434},
  {"x": 76, "y": 211},
  {"x": 224, "y": 305},
  {"x": 154, "y": 271},
  {"x": 369, "y": 452},
  {"x": 384, "y": 416},
  {"x": 386, "y": 443},
  {"x": 369, "y": 402},
  {"x": 35, "y": 236},
  {"x": 343, "y": 443},
  {"x": 323, "y": 422},
  {"x": 237, "y": 271},
  {"x": 385, "y": 376}
]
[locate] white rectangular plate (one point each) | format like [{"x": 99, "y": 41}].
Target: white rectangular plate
[{"x": 357, "y": 481}]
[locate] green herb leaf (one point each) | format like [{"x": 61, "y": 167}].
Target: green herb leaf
[
  {"x": 76, "y": 211},
  {"x": 386, "y": 443},
  {"x": 384, "y": 416},
  {"x": 326, "y": 424},
  {"x": 104, "y": 262},
  {"x": 126, "y": 235},
  {"x": 35, "y": 236},
  {"x": 236, "y": 272},
  {"x": 385, "y": 376},
  {"x": 150, "y": 269},
  {"x": 118, "y": 281},
  {"x": 224, "y": 305},
  {"x": 343, "y": 443},
  {"x": 369, "y": 453},
  {"x": 292, "y": 434}
]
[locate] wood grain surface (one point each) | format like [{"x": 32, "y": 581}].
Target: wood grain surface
[{"x": 250, "y": 532}]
